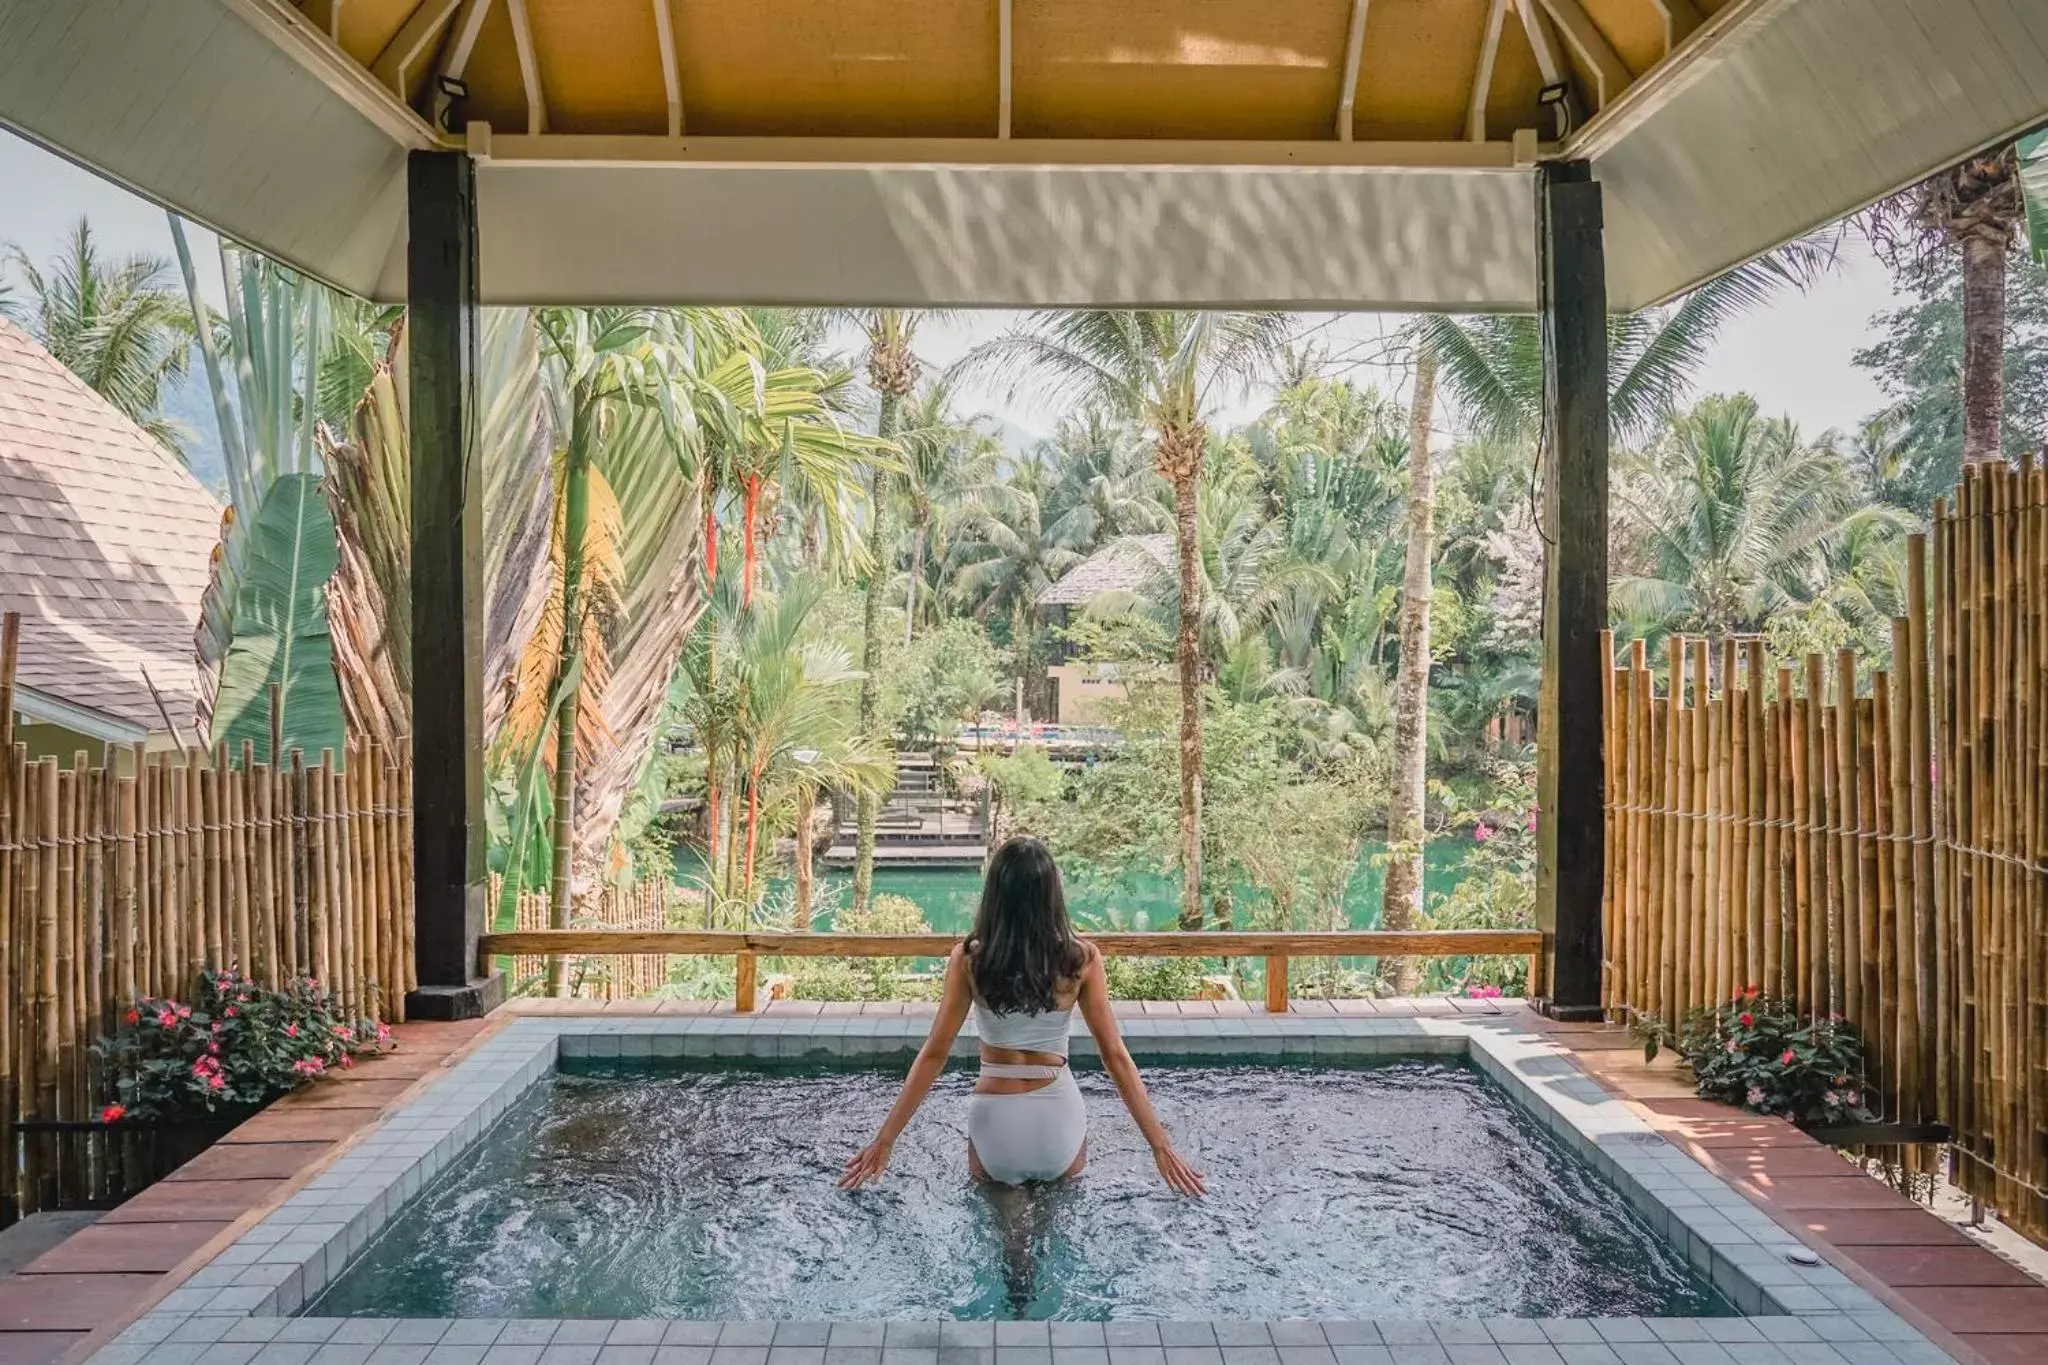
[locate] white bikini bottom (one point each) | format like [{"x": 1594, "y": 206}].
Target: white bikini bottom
[{"x": 1032, "y": 1136}]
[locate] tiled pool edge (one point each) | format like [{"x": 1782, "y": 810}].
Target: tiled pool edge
[{"x": 240, "y": 1296}]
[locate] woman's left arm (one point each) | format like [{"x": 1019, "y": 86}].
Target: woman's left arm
[{"x": 870, "y": 1161}]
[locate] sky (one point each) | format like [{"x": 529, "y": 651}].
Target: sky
[{"x": 1793, "y": 354}]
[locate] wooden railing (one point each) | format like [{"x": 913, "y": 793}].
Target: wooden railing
[{"x": 747, "y": 948}]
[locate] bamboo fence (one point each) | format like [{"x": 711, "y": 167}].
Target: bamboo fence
[
  {"x": 1878, "y": 852},
  {"x": 125, "y": 878},
  {"x": 601, "y": 976}
]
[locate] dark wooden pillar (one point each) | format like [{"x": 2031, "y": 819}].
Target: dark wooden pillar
[
  {"x": 450, "y": 885},
  {"x": 1571, "y": 839}
]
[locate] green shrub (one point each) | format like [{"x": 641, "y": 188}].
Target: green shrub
[{"x": 1761, "y": 1053}]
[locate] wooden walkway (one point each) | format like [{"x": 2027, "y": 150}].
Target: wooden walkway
[
  {"x": 1974, "y": 1304},
  {"x": 104, "y": 1275}
]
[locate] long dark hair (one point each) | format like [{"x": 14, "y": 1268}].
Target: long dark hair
[{"x": 1023, "y": 947}]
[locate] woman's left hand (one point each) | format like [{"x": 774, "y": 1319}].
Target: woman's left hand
[{"x": 866, "y": 1165}]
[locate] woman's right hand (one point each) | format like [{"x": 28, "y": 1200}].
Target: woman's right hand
[
  {"x": 867, "y": 1164},
  {"x": 1178, "y": 1173}
]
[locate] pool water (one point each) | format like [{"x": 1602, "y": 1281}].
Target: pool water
[{"x": 1412, "y": 1189}]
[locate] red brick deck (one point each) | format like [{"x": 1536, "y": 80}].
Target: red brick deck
[
  {"x": 104, "y": 1275},
  {"x": 1968, "y": 1300}
]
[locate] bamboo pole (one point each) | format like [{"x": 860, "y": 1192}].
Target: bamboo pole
[
  {"x": 10, "y": 852},
  {"x": 1670, "y": 981}
]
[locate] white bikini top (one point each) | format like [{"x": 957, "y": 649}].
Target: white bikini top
[{"x": 1046, "y": 1032}]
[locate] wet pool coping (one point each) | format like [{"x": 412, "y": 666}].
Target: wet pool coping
[{"x": 236, "y": 1309}]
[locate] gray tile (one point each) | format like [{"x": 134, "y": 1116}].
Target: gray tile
[
  {"x": 691, "y": 1334},
  {"x": 1240, "y": 1355},
  {"x": 901, "y": 1334},
  {"x": 1811, "y": 1353},
  {"x": 1306, "y": 1355},
  {"x": 1297, "y": 1333},
  {"x": 746, "y": 1333},
  {"x": 1366, "y": 1355},
  {"x": 1131, "y": 1333},
  {"x": 1023, "y": 1334},
  {"x": 1470, "y": 1353},
  {"x": 636, "y": 1332},
  {"x": 1702, "y": 1353},
  {"x": 1677, "y": 1329},
  {"x": 965, "y": 1355},
  {"x": 1194, "y": 1355},
  {"x": 570, "y": 1353},
  {"x": 1581, "y": 1353},
  {"x": 238, "y": 1353},
  {"x": 253, "y": 1329},
  {"x": 739, "y": 1355},
  {"x": 472, "y": 1331},
  {"x": 856, "y": 1334},
  {"x": 1569, "y": 1331},
  {"x": 1524, "y": 1353},
  {"x": 967, "y": 1334},
  {"x": 362, "y": 1331},
  {"x": 341, "y": 1353},
  {"x": 626, "y": 1353},
  {"x": 1079, "y": 1334},
  {"x": 1023, "y": 1355},
  {"x": 1140, "y": 1355},
  {"x": 1400, "y": 1332},
  {"x": 802, "y": 1333},
  {"x": 459, "y": 1354},
  {"x": 285, "y": 1353},
  {"x": 1241, "y": 1334},
  {"x": 796, "y": 1355},
  {"x": 502, "y": 1354},
  {"x": 910, "y": 1355},
  {"x": 410, "y": 1354},
  {"x": 1783, "y": 1330},
  {"x": 418, "y": 1332},
  {"x": 583, "y": 1332},
  {"x": 1351, "y": 1334},
  {"x": 1516, "y": 1331},
  {"x": 1462, "y": 1332},
  {"x": 666, "y": 1354},
  {"x": 1644, "y": 1353},
  {"x": 1419, "y": 1353},
  {"x": 1618, "y": 1331},
  {"x": 1836, "y": 1327},
  {"x": 527, "y": 1332}
]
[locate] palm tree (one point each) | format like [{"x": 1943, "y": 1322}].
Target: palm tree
[
  {"x": 1975, "y": 207},
  {"x": 1401, "y": 894},
  {"x": 124, "y": 327},
  {"x": 1737, "y": 518},
  {"x": 1166, "y": 370},
  {"x": 943, "y": 455},
  {"x": 893, "y": 370},
  {"x": 1104, "y": 482}
]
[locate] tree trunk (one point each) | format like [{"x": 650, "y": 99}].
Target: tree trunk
[
  {"x": 806, "y": 801},
  {"x": 1983, "y": 348},
  {"x": 916, "y": 578},
  {"x": 1188, "y": 655},
  {"x": 1401, "y": 899},
  {"x": 753, "y": 831},
  {"x": 753, "y": 507},
  {"x": 869, "y": 808},
  {"x": 575, "y": 523}
]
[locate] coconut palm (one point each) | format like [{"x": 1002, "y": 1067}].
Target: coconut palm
[
  {"x": 122, "y": 326},
  {"x": 1976, "y": 208},
  {"x": 1401, "y": 894},
  {"x": 942, "y": 456},
  {"x": 1105, "y": 484},
  {"x": 1166, "y": 370},
  {"x": 1737, "y": 518}
]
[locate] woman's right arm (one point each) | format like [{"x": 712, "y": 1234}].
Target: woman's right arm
[
  {"x": 870, "y": 1161},
  {"x": 1116, "y": 1060}
]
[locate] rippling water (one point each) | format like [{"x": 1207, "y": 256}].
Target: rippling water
[{"x": 1409, "y": 1190}]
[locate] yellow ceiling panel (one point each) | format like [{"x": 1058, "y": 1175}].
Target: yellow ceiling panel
[
  {"x": 1416, "y": 78},
  {"x": 1178, "y": 68},
  {"x": 1633, "y": 28},
  {"x": 838, "y": 68},
  {"x": 366, "y": 25},
  {"x": 1511, "y": 100},
  {"x": 497, "y": 96},
  {"x": 600, "y": 65}
]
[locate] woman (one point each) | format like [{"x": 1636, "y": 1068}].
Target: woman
[{"x": 1023, "y": 970}]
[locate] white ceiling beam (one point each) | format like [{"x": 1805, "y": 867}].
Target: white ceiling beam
[
  {"x": 455, "y": 53},
  {"x": 1354, "y": 57},
  {"x": 1610, "y": 77},
  {"x": 1005, "y": 63},
  {"x": 529, "y": 68},
  {"x": 574, "y": 149},
  {"x": 316, "y": 51},
  {"x": 1482, "y": 75},
  {"x": 1681, "y": 17},
  {"x": 1542, "y": 41},
  {"x": 402, "y": 66},
  {"x": 671, "y": 75}
]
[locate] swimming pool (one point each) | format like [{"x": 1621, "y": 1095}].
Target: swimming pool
[
  {"x": 1411, "y": 1188},
  {"x": 1424, "y": 1266}
]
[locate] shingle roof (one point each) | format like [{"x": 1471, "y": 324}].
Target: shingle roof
[
  {"x": 1128, "y": 562},
  {"x": 105, "y": 540}
]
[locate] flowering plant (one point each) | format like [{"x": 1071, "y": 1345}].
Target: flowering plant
[
  {"x": 236, "y": 1045},
  {"x": 1762, "y": 1053}
]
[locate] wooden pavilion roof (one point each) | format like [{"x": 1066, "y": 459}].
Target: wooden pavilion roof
[{"x": 1312, "y": 153}]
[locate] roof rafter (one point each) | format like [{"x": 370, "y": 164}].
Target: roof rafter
[
  {"x": 1610, "y": 76},
  {"x": 1482, "y": 75},
  {"x": 402, "y": 65},
  {"x": 529, "y": 67},
  {"x": 1354, "y": 57},
  {"x": 1681, "y": 17},
  {"x": 1005, "y": 64},
  {"x": 455, "y": 53},
  {"x": 671, "y": 76}
]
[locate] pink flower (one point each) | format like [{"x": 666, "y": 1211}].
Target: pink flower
[
  {"x": 1745, "y": 1019},
  {"x": 1482, "y": 831},
  {"x": 165, "y": 1019},
  {"x": 347, "y": 1060},
  {"x": 231, "y": 1011},
  {"x": 1532, "y": 819},
  {"x": 1733, "y": 1048},
  {"x": 1755, "y": 1097},
  {"x": 291, "y": 1030},
  {"x": 217, "y": 1081},
  {"x": 344, "y": 1032},
  {"x": 1482, "y": 993},
  {"x": 1852, "y": 1098},
  {"x": 1789, "y": 1057},
  {"x": 309, "y": 1066},
  {"x": 383, "y": 1032},
  {"x": 112, "y": 1113},
  {"x": 184, "y": 1011},
  {"x": 131, "y": 1017}
]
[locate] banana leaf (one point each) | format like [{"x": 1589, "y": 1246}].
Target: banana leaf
[{"x": 280, "y": 628}]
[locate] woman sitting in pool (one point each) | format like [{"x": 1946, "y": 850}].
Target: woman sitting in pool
[{"x": 1023, "y": 971}]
